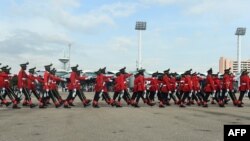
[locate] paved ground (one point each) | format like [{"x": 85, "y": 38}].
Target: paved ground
[{"x": 122, "y": 124}]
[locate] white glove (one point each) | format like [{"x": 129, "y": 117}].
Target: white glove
[
  {"x": 47, "y": 90},
  {"x": 3, "y": 89},
  {"x": 169, "y": 92},
  {"x": 74, "y": 90},
  {"x": 220, "y": 91},
  {"x": 20, "y": 89},
  {"x": 191, "y": 91},
  {"x": 23, "y": 78},
  {"x": 214, "y": 91},
  {"x": 227, "y": 90},
  {"x": 156, "y": 91},
  {"x": 102, "y": 91},
  {"x": 145, "y": 91},
  {"x": 122, "y": 91}
]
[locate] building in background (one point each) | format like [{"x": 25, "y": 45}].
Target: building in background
[{"x": 225, "y": 63}]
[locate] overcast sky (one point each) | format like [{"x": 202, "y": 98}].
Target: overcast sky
[{"x": 181, "y": 34}]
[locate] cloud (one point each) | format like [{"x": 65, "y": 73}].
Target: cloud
[{"x": 121, "y": 44}]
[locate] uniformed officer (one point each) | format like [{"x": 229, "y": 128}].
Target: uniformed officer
[
  {"x": 23, "y": 85},
  {"x": 244, "y": 86}
]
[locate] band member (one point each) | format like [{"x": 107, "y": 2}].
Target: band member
[{"x": 244, "y": 86}]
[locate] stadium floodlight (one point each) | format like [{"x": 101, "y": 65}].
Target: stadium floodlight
[
  {"x": 241, "y": 31},
  {"x": 140, "y": 25}
]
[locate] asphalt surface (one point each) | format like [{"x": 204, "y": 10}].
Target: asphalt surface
[{"x": 122, "y": 124}]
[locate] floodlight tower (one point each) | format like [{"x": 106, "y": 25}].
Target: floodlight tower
[
  {"x": 241, "y": 31},
  {"x": 140, "y": 25}
]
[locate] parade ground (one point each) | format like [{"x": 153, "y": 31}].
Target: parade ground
[{"x": 120, "y": 124}]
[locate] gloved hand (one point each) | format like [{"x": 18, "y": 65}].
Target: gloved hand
[
  {"x": 191, "y": 91},
  {"x": 122, "y": 91},
  {"x": 145, "y": 91},
  {"x": 21, "y": 90},
  {"x": 214, "y": 91},
  {"x": 102, "y": 91},
  {"x": 74, "y": 90},
  {"x": 169, "y": 92},
  {"x": 156, "y": 91},
  {"x": 227, "y": 90},
  {"x": 47, "y": 90}
]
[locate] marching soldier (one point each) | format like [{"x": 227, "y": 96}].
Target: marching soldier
[
  {"x": 140, "y": 87},
  {"x": 165, "y": 89},
  {"x": 54, "y": 88},
  {"x": 4, "y": 87},
  {"x": 124, "y": 77},
  {"x": 75, "y": 87},
  {"x": 209, "y": 88},
  {"x": 154, "y": 88},
  {"x": 244, "y": 86},
  {"x": 118, "y": 90},
  {"x": 173, "y": 87},
  {"x": 47, "y": 89},
  {"x": 187, "y": 87},
  {"x": 101, "y": 89},
  {"x": 31, "y": 84},
  {"x": 23, "y": 85},
  {"x": 217, "y": 86},
  {"x": 197, "y": 89}
]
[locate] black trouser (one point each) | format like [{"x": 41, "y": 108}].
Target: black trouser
[
  {"x": 164, "y": 96},
  {"x": 36, "y": 94},
  {"x": 25, "y": 91},
  {"x": 194, "y": 96},
  {"x": 231, "y": 94},
  {"x": 207, "y": 94},
  {"x": 139, "y": 95},
  {"x": 51, "y": 95},
  {"x": 57, "y": 95},
  {"x": 126, "y": 96},
  {"x": 134, "y": 95},
  {"x": 105, "y": 96},
  {"x": 242, "y": 93},
  {"x": 77, "y": 93},
  {"x": 184, "y": 96},
  {"x": 178, "y": 95},
  {"x": 222, "y": 95},
  {"x": 152, "y": 95},
  {"x": 160, "y": 96}
]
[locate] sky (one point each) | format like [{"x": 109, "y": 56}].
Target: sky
[{"x": 181, "y": 34}]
